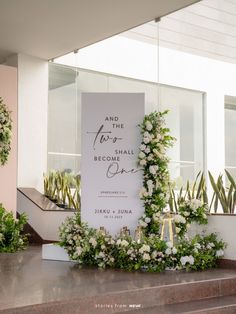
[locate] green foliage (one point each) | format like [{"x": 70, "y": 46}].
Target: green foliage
[
  {"x": 5, "y": 133},
  {"x": 11, "y": 237},
  {"x": 63, "y": 188},
  {"x": 225, "y": 196},
  {"x": 89, "y": 246},
  {"x": 152, "y": 158},
  {"x": 197, "y": 190}
]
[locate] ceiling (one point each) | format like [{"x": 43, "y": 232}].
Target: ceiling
[
  {"x": 207, "y": 28},
  {"x": 51, "y": 28}
]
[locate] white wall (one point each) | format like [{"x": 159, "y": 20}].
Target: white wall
[
  {"x": 32, "y": 121},
  {"x": 127, "y": 57},
  {"x": 224, "y": 227}
]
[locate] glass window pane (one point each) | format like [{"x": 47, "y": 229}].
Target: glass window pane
[
  {"x": 230, "y": 131},
  {"x": 185, "y": 118}
]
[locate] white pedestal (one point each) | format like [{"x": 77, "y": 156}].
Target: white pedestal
[{"x": 55, "y": 253}]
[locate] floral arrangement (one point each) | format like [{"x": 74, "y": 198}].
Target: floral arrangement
[
  {"x": 11, "y": 237},
  {"x": 152, "y": 157},
  {"x": 97, "y": 247},
  {"x": 5, "y": 133},
  {"x": 89, "y": 246},
  {"x": 190, "y": 211}
]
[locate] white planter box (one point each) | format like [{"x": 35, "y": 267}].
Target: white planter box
[
  {"x": 225, "y": 227},
  {"x": 54, "y": 252}
]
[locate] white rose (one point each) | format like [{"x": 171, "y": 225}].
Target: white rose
[
  {"x": 142, "y": 162},
  {"x": 144, "y": 248},
  {"x": 142, "y": 223},
  {"x": 124, "y": 243},
  {"x": 141, "y": 155},
  {"x": 142, "y": 191},
  {"x": 130, "y": 251},
  {"x": 156, "y": 217},
  {"x": 150, "y": 183},
  {"x": 153, "y": 169},
  {"x": 183, "y": 260},
  {"x": 219, "y": 253},
  {"x": 154, "y": 254},
  {"x": 195, "y": 204},
  {"x": 93, "y": 242},
  {"x": 177, "y": 229},
  {"x": 146, "y": 140},
  {"x": 142, "y": 147},
  {"x": 146, "y": 257},
  {"x": 101, "y": 255},
  {"x": 79, "y": 250},
  {"x": 191, "y": 260},
  {"x": 148, "y": 125},
  {"x": 174, "y": 250},
  {"x": 180, "y": 219},
  {"x": 147, "y": 220},
  {"x": 150, "y": 191},
  {"x": 118, "y": 242},
  {"x": 168, "y": 251}
]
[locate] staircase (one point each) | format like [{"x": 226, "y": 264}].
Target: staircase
[
  {"x": 92, "y": 291},
  {"x": 44, "y": 217}
]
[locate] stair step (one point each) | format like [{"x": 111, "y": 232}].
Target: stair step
[{"x": 217, "y": 305}]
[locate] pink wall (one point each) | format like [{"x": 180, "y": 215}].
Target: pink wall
[{"x": 8, "y": 173}]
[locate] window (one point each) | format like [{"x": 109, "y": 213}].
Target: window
[
  {"x": 185, "y": 118},
  {"x": 230, "y": 138}
]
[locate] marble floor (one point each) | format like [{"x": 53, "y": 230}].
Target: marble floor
[{"x": 26, "y": 279}]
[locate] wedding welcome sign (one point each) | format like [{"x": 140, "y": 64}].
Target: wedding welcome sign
[{"x": 110, "y": 177}]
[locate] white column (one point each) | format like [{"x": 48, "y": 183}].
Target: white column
[{"x": 32, "y": 121}]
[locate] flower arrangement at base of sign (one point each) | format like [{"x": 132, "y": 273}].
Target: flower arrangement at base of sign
[
  {"x": 147, "y": 250},
  {"x": 89, "y": 246}
]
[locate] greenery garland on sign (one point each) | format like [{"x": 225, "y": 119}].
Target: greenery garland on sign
[
  {"x": 5, "y": 133},
  {"x": 152, "y": 157},
  {"x": 147, "y": 250}
]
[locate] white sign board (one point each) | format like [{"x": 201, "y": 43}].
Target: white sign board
[{"x": 110, "y": 177}]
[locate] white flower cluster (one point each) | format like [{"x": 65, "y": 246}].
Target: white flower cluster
[
  {"x": 120, "y": 242},
  {"x": 180, "y": 219},
  {"x": 156, "y": 216},
  {"x": 210, "y": 246},
  {"x": 220, "y": 253},
  {"x": 187, "y": 260},
  {"x": 144, "y": 221},
  {"x": 144, "y": 248},
  {"x": 194, "y": 204},
  {"x": 93, "y": 242}
]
